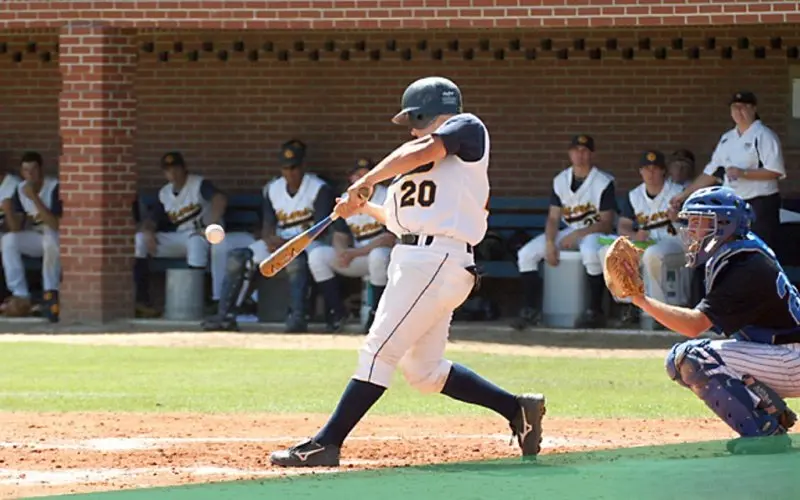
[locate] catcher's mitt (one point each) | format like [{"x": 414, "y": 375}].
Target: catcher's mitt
[{"x": 621, "y": 269}]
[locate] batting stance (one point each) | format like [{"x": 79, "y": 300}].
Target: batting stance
[
  {"x": 749, "y": 299},
  {"x": 436, "y": 205},
  {"x": 33, "y": 231},
  {"x": 368, "y": 256},
  {"x": 645, "y": 217},
  {"x": 584, "y": 198},
  {"x": 292, "y": 203},
  {"x": 186, "y": 205}
]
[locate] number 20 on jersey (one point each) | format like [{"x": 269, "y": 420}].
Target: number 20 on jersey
[{"x": 421, "y": 194}]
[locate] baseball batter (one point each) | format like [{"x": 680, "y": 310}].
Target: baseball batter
[
  {"x": 584, "y": 199},
  {"x": 186, "y": 205},
  {"x": 436, "y": 205},
  {"x": 367, "y": 257},
  {"x": 34, "y": 234},
  {"x": 645, "y": 217},
  {"x": 749, "y": 300},
  {"x": 293, "y": 202}
]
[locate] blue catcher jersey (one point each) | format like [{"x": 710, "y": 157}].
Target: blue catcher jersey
[{"x": 748, "y": 293}]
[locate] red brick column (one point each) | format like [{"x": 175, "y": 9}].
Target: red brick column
[{"x": 97, "y": 120}]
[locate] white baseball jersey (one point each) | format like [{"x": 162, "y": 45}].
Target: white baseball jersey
[
  {"x": 651, "y": 214},
  {"x": 45, "y": 194},
  {"x": 363, "y": 227},
  {"x": 294, "y": 214},
  {"x": 581, "y": 208},
  {"x": 7, "y": 189},
  {"x": 187, "y": 208},
  {"x": 758, "y": 147},
  {"x": 445, "y": 198}
]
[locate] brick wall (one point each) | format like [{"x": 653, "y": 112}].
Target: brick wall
[
  {"x": 398, "y": 14},
  {"x": 230, "y": 116}
]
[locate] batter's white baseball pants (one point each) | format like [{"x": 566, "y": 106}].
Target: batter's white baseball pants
[
  {"x": 33, "y": 244},
  {"x": 412, "y": 323}
]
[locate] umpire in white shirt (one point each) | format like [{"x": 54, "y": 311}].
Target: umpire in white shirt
[{"x": 749, "y": 160}]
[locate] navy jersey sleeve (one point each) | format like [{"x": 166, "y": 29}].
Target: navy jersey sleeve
[
  {"x": 608, "y": 200},
  {"x": 268, "y": 217},
  {"x": 323, "y": 204},
  {"x": 626, "y": 210},
  {"x": 555, "y": 201},
  {"x": 56, "y": 206},
  {"x": 463, "y": 136},
  {"x": 16, "y": 202},
  {"x": 731, "y": 303},
  {"x": 207, "y": 189}
]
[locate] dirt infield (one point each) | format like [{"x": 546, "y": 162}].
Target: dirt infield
[{"x": 48, "y": 454}]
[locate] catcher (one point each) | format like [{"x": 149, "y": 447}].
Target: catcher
[{"x": 745, "y": 377}]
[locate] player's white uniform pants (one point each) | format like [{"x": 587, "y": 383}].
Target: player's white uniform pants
[
  {"x": 653, "y": 269},
  {"x": 778, "y": 366},
  {"x": 323, "y": 264},
  {"x": 33, "y": 244},
  {"x": 189, "y": 244},
  {"x": 530, "y": 255},
  {"x": 412, "y": 322}
]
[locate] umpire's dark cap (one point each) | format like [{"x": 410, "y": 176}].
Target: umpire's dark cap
[
  {"x": 292, "y": 153},
  {"x": 362, "y": 162},
  {"x": 744, "y": 97},
  {"x": 653, "y": 157},
  {"x": 583, "y": 140},
  {"x": 172, "y": 159}
]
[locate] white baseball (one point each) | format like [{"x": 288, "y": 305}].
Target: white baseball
[{"x": 215, "y": 234}]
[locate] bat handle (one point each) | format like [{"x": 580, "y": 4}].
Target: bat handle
[{"x": 363, "y": 194}]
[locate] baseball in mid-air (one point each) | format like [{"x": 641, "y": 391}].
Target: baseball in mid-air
[{"x": 215, "y": 234}]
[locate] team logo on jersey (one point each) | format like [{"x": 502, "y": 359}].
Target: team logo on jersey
[
  {"x": 184, "y": 214},
  {"x": 580, "y": 212},
  {"x": 365, "y": 231},
  {"x": 296, "y": 218},
  {"x": 652, "y": 221}
]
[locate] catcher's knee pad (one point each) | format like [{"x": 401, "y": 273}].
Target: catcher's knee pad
[{"x": 695, "y": 365}]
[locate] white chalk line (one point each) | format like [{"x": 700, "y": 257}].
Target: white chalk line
[{"x": 148, "y": 443}]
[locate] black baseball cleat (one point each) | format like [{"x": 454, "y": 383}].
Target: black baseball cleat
[
  {"x": 527, "y": 425},
  {"x": 309, "y": 453},
  {"x": 219, "y": 323}
]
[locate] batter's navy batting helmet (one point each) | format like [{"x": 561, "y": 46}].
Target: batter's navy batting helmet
[{"x": 427, "y": 98}]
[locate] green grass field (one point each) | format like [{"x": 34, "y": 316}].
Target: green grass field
[
  {"x": 40, "y": 377},
  {"x": 45, "y": 377}
]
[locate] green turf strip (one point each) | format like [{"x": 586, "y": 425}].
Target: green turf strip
[{"x": 685, "y": 472}]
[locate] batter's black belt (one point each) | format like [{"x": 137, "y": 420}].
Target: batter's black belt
[{"x": 414, "y": 239}]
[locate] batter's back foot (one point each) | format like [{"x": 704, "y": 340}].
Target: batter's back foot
[
  {"x": 309, "y": 453},
  {"x": 527, "y": 425}
]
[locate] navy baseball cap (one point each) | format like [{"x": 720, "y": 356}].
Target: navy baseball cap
[
  {"x": 362, "y": 162},
  {"x": 744, "y": 97},
  {"x": 292, "y": 153},
  {"x": 172, "y": 159},
  {"x": 582, "y": 140},
  {"x": 653, "y": 157}
]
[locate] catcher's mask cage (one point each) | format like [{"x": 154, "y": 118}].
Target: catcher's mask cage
[{"x": 710, "y": 217}]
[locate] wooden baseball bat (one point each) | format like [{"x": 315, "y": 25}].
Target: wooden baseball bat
[{"x": 281, "y": 257}]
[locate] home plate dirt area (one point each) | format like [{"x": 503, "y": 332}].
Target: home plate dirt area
[{"x": 49, "y": 454}]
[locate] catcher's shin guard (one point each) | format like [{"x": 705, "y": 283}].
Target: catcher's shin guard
[
  {"x": 238, "y": 278},
  {"x": 695, "y": 365}
]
